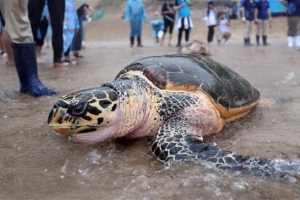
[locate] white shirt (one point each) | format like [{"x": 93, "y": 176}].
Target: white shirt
[
  {"x": 211, "y": 18},
  {"x": 223, "y": 26}
]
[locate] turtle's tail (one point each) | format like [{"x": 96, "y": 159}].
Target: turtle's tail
[{"x": 262, "y": 167}]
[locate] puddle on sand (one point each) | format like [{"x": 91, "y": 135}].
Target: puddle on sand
[{"x": 35, "y": 163}]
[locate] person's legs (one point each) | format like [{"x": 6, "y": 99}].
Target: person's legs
[
  {"x": 48, "y": 36},
  {"x": 250, "y": 30},
  {"x": 7, "y": 48},
  {"x": 187, "y": 34},
  {"x": 248, "y": 27},
  {"x": 170, "y": 39},
  {"x": 171, "y": 27},
  {"x": 180, "y": 30},
  {"x": 41, "y": 37},
  {"x": 139, "y": 33},
  {"x": 179, "y": 37},
  {"x": 292, "y": 30},
  {"x": 264, "y": 32},
  {"x": 227, "y": 36},
  {"x": 219, "y": 37},
  {"x": 1, "y": 46},
  {"x": 15, "y": 14},
  {"x": 166, "y": 25},
  {"x": 131, "y": 41},
  {"x": 57, "y": 10},
  {"x": 246, "y": 33},
  {"x": 1, "y": 30},
  {"x": 35, "y": 10},
  {"x": 77, "y": 40},
  {"x": 298, "y": 33},
  {"x": 258, "y": 29},
  {"x": 84, "y": 25},
  {"x": 132, "y": 34},
  {"x": 210, "y": 34}
]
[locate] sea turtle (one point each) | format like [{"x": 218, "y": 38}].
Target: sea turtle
[
  {"x": 195, "y": 47},
  {"x": 178, "y": 99}
]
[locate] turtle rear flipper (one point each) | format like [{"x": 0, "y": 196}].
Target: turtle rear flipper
[{"x": 174, "y": 143}]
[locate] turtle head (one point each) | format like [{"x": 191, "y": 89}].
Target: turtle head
[{"x": 88, "y": 116}]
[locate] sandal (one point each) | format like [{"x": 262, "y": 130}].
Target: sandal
[{"x": 68, "y": 62}]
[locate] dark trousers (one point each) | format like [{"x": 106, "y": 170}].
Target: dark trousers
[
  {"x": 180, "y": 30},
  {"x": 43, "y": 31},
  {"x": 211, "y": 32},
  {"x": 77, "y": 40},
  {"x": 57, "y": 13}
]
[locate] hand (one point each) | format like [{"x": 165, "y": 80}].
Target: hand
[
  {"x": 243, "y": 19},
  {"x": 168, "y": 7},
  {"x": 270, "y": 19}
]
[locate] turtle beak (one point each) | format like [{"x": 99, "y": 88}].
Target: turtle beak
[
  {"x": 62, "y": 131},
  {"x": 57, "y": 120}
]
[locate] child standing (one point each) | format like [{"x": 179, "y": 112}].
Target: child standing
[
  {"x": 168, "y": 13},
  {"x": 210, "y": 22},
  {"x": 184, "y": 21},
  {"x": 223, "y": 30}
]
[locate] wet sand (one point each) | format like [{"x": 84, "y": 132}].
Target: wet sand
[{"x": 35, "y": 163}]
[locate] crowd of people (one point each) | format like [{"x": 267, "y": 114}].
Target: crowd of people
[
  {"x": 253, "y": 12},
  {"x": 24, "y": 26}
]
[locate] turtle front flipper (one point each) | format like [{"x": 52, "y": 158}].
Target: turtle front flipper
[{"x": 174, "y": 143}]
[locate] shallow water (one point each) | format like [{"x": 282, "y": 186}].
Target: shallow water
[{"x": 35, "y": 163}]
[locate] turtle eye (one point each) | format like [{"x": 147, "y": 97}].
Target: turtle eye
[{"x": 77, "y": 109}]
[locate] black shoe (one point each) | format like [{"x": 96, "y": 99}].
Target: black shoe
[
  {"x": 139, "y": 42},
  {"x": 245, "y": 41},
  {"x": 131, "y": 41},
  {"x": 257, "y": 40},
  {"x": 265, "y": 40},
  {"x": 25, "y": 61}
]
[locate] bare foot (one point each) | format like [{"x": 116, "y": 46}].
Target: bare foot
[{"x": 59, "y": 66}]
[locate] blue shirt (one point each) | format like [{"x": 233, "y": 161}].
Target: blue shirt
[
  {"x": 249, "y": 9},
  {"x": 293, "y": 8},
  {"x": 262, "y": 7},
  {"x": 183, "y": 11}
]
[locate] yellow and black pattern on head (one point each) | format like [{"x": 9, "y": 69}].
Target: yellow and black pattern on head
[{"x": 84, "y": 111}]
